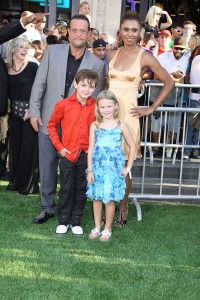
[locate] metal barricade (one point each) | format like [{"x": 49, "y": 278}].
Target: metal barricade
[{"x": 171, "y": 177}]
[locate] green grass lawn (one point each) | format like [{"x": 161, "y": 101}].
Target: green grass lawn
[{"x": 157, "y": 258}]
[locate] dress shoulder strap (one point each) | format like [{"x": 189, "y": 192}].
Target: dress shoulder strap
[
  {"x": 112, "y": 62},
  {"x": 138, "y": 58}
]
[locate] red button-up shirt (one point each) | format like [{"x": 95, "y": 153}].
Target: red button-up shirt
[{"x": 75, "y": 120}]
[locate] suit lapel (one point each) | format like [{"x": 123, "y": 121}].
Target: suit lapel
[{"x": 63, "y": 66}]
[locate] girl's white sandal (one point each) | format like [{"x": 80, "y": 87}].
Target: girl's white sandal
[
  {"x": 94, "y": 234},
  {"x": 105, "y": 235}
]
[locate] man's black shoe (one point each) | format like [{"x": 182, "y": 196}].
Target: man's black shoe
[
  {"x": 42, "y": 218},
  {"x": 4, "y": 177}
]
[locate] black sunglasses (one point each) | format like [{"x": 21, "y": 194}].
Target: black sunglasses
[{"x": 178, "y": 48}]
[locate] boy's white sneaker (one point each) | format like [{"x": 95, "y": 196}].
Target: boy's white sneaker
[
  {"x": 76, "y": 230},
  {"x": 62, "y": 229}
]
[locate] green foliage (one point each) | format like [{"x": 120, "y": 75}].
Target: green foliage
[{"x": 157, "y": 258}]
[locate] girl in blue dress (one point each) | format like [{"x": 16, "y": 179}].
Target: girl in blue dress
[{"x": 107, "y": 167}]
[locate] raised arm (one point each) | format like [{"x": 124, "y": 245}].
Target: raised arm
[
  {"x": 168, "y": 23},
  {"x": 14, "y": 29}
]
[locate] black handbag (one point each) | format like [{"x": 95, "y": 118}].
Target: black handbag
[{"x": 19, "y": 108}]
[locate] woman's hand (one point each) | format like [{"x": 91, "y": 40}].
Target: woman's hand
[
  {"x": 90, "y": 177},
  {"x": 124, "y": 171},
  {"x": 140, "y": 112}
]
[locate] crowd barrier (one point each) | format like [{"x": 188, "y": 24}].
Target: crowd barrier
[{"x": 170, "y": 176}]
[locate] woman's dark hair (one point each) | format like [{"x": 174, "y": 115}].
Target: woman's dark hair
[{"x": 131, "y": 16}]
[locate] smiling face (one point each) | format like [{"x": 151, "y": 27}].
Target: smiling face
[
  {"x": 78, "y": 33},
  {"x": 130, "y": 32},
  {"x": 20, "y": 53},
  {"x": 106, "y": 108},
  {"x": 84, "y": 89},
  {"x": 178, "y": 52}
]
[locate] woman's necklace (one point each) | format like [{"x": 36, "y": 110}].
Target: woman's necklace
[{"x": 19, "y": 68}]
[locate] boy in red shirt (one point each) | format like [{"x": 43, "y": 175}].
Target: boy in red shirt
[{"x": 75, "y": 115}]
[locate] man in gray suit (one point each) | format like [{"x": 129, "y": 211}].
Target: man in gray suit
[{"x": 53, "y": 82}]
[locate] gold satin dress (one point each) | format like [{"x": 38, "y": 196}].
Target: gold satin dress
[{"x": 124, "y": 84}]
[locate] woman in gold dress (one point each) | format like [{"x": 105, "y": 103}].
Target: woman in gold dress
[{"x": 127, "y": 65}]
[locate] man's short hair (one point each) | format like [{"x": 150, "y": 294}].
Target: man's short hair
[
  {"x": 87, "y": 74},
  {"x": 79, "y": 17}
]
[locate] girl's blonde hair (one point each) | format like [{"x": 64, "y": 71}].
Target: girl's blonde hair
[
  {"x": 83, "y": 3},
  {"x": 12, "y": 45},
  {"x": 106, "y": 94}
]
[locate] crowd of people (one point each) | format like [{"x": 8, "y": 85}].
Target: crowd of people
[{"x": 52, "y": 76}]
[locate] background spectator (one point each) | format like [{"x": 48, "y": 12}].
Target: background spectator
[
  {"x": 49, "y": 30},
  {"x": 164, "y": 39},
  {"x": 23, "y": 140},
  {"x": 60, "y": 31},
  {"x": 40, "y": 28},
  {"x": 39, "y": 50},
  {"x": 99, "y": 49},
  {"x": 187, "y": 32},
  {"x": 84, "y": 9},
  {"x": 153, "y": 21},
  {"x": 194, "y": 41}
]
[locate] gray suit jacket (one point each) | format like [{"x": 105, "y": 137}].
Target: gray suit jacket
[{"x": 49, "y": 84}]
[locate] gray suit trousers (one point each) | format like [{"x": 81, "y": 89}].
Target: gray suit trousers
[{"x": 48, "y": 164}]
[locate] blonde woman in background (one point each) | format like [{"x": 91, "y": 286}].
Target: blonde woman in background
[
  {"x": 23, "y": 140},
  {"x": 153, "y": 22}
]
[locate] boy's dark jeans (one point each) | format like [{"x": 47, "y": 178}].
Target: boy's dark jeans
[{"x": 72, "y": 198}]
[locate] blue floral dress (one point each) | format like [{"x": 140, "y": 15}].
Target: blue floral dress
[{"x": 108, "y": 161}]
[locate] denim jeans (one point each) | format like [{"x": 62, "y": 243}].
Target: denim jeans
[{"x": 192, "y": 133}]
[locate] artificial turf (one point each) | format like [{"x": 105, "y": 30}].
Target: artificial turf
[{"x": 156, "y": 258}]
